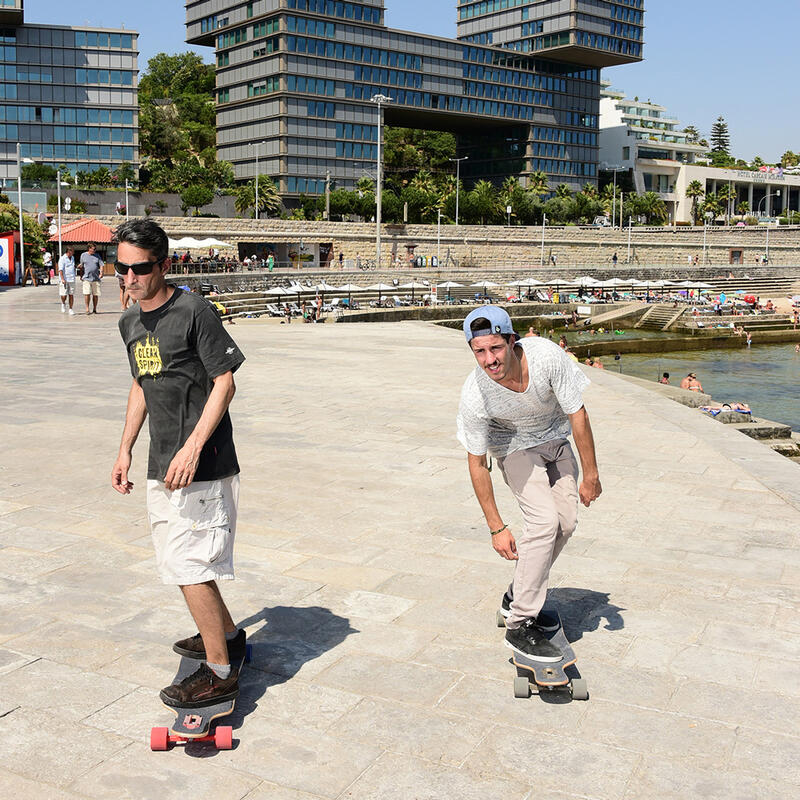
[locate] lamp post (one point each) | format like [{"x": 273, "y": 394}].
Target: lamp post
[
  {"x": 257, "y": 145},
  {"x": 544, "y": 222},
  {"x": 776, "y": 193},
  {"x": 126, "y": 199},
  {"x": 458, "y": 178},
  {"x": 58, "y": 195},
  {"x": 19, "y": 204},
  {"x": 615, "y": 170},
  {"x": 438, "y": 237},
  {"x": 630, "y": 223},
  {"x": 380, "y": 99}
]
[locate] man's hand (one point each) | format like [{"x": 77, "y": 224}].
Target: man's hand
[
  {"x": 182, "y": 467},
  {"x": 590, "y": 489},
  {"x": 119, "y": 474},
  {"x": 505, "y": 545}
]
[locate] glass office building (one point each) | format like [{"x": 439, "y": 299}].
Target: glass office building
[
  {"x": 520, "y": 86},
  {"x": 67, "y": 95}
]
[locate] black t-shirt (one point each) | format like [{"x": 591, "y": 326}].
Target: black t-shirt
[{"x": 175, "y": 352}]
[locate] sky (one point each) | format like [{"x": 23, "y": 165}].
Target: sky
[{"x": 703, "y": 58}]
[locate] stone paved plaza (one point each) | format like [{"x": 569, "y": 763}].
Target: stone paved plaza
[{"x": 368, "y": 587}]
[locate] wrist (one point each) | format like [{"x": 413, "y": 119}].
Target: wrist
[{"x": 498, "y": 529}]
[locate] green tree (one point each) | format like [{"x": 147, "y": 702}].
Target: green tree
[
  {"x": 562, "y": 190},
  {"x": 269, "y": 201},
  {"x": 408, "y": 150},
  {"x": 652, "y": 207},
  {"x": 197, "y": 196},
  {"x": 485, "y": 202},
  {"x": 538, "y": 183},
  {"x": 790, "y": 159},
  {"x": 692, "y": 134},
  {"x": 727, "y": 195},
  {"x": 720, "y": 138},
  {"x": 743, "y": 208},
  {"x": 38, "y": 173},
  {"x": 176, "y": 116},
  {"x": 694, "y": 191}
]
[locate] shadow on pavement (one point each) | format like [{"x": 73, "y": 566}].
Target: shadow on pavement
[
  {"x": 287, "y": 639},
  {"x": 582, "y": 611}
]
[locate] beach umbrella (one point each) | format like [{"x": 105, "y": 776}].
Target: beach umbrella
[
  {"x": 414, "y": 285},
  {"x": 349, "y": 288},
  {"x": 323, "y": 287},
  {"x": 449, "y": 285},
  {"x": 277, "y": 290},
  {"x": 586, "y": 280},
  {"x": 380, "y": 288},
  {"x": 485, "y": 285}
]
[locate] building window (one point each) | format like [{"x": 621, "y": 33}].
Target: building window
[
  {"x": 249, "y": 10},
  {"x": 626, "y": 153}
]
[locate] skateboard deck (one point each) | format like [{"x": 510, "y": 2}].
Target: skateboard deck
[
  {"x": 548, "y": 676},
  {"x": 194, "y": 724}
]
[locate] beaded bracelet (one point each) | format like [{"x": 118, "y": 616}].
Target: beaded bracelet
[{"x": 499, "y": 530}]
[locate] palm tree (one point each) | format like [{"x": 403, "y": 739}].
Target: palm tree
[
  {"x": 653, "y": 207},
  {"x": 562, "y": 190},
  {"x": 694, "y": 191},
  {"x": 590, "y": 190},
  {"x": 268, "y": 199},
  {"x": 712, "y": 205},
  {"x": 726, "y": 193},
  {"x": 537, "y": 183},
  {"x": 743, "y": 208},
  {"x": 485, "y": 201}
]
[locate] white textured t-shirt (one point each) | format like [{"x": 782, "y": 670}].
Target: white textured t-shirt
[{"x": 495, "y": 420}]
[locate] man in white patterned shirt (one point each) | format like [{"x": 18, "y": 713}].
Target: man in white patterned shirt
[{"x": 519, "y": 406}]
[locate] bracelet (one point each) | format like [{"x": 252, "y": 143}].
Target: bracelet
[{"x": 499, "y": 530}]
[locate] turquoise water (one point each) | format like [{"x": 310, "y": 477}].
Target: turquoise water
[{"x": 767, "y": 376}]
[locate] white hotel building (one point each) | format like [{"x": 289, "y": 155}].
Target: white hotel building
[{"x": 640, "y": 138}]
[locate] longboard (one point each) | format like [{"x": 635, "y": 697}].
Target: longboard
[
  {"x": 547, "y": 676},
  {"x": 194, "y": 724}
]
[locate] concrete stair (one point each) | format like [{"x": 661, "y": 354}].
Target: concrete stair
[{"x": 660, "y": 317}]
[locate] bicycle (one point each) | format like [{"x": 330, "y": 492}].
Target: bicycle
[{"x": 366, "y": 264}]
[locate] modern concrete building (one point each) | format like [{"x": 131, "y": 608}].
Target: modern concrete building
[
  {"x": 519, "y": 86},
  {"x": 68, "y": 94},
  {"x": 642, "y": 139}
]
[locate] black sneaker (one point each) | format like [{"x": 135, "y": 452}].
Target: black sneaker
[
  {"x": 545, "y": 620},
  {"x": 530, "y": 640},
  {"x": 202, "y": 688},
  {"x": 193, "y": 647}
]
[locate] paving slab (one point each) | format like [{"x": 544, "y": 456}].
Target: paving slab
[{"x": 367, "y": 585}]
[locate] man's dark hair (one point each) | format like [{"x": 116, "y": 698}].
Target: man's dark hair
[
  {"x": 147, "y": 235},
  {"x": 482, "y": 324}
]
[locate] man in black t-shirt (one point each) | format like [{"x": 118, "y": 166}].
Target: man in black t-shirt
[{"x": 182, "y": 362}]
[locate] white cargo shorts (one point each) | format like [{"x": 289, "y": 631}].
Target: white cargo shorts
[{"x": 193, "y": 530}]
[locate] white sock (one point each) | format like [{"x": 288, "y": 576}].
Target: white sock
[
  {"x": 220, "y": 670},
  {"x": 231, "y": 636}
]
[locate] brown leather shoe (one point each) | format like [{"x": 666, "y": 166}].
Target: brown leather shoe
[
  {"x": 193, "y": 647},
  {"x": 202, "y": 688}
]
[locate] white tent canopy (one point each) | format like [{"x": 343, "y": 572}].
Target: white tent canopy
[{"x": 190, "y": 243}]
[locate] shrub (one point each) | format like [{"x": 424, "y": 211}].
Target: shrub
[{"x": 751, "y": 221}]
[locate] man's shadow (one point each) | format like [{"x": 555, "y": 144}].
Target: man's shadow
[
  {"x": 287, "y": 639},
  {"x": 582, "y": 611}
]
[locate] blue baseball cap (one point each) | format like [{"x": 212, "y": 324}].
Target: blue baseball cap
[{"x": 496, "y": 317}]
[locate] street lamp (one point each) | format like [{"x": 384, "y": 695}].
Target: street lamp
[
  {"x": 257, "y": 145},
  {"x": 59, "y": 184},
  {"x": 544, "y": 222},
  {"x": 615, "y": 170},
  {"x": 380, "y": 99},
  {"x": 126, "y": 199},
  {"x": 438, "y": 236},
  {"x": 776, "y": 193},
  {"x": 19, "y": 204},
  {"x": 458, "y": 181}
]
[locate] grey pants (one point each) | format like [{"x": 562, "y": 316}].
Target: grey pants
[{"x": 544, "y": 480}]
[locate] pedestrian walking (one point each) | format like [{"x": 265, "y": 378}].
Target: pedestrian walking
[
  {"x": 91, "y": 275},
  {"x": 66, "y": 280}
]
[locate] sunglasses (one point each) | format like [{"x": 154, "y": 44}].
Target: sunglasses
[{"x": 139, "y": 268}]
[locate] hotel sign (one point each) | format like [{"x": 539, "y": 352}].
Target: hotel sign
[{"x": 761, "y": 177}]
